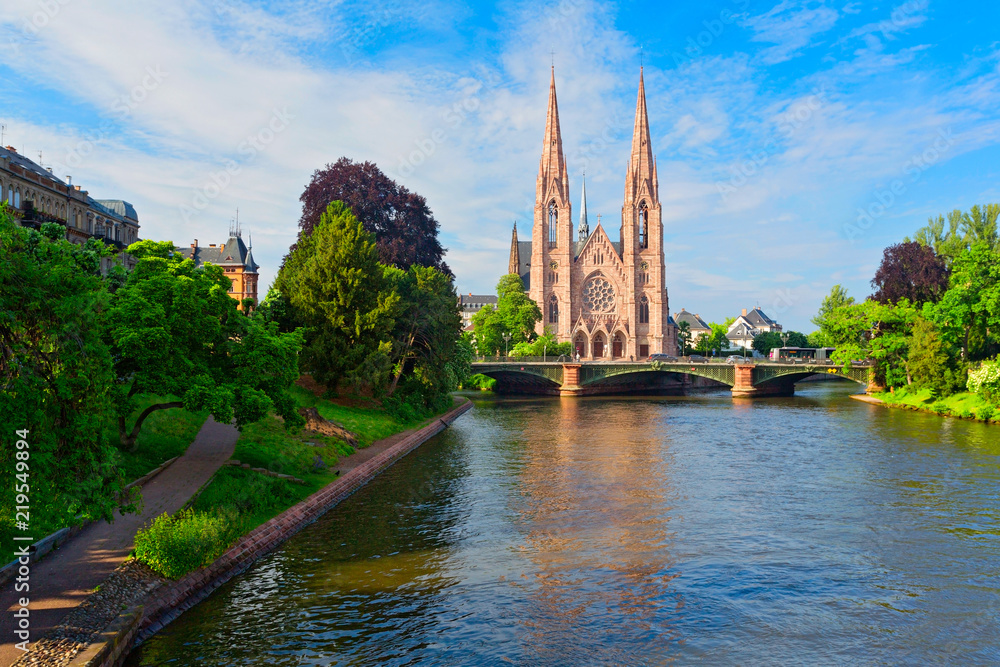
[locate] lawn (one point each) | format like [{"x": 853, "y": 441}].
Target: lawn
[{"x": 966, "y": 405}]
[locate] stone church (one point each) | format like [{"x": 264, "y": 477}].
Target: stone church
[{"x": 608, "y": 297}]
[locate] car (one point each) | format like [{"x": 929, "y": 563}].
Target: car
[
  {"x": 697, "y": 357},
  {"x": 661, "y": 357},
  {"x": 734, "y": 359}
]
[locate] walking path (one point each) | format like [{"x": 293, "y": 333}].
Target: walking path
[{"x": 63, "y": 579}]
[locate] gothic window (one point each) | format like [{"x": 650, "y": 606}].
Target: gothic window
[
  {"x": 644, "y": 310},
  {"x": 643, "y": 226},
  {"x": 553, "y": 223},
  {"x": 553, "y": 310},
  {"x": 17, "y": 199}
]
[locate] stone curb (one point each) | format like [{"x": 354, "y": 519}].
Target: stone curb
[
  {"x": 55, "y": 540},
  {"x": 165, "y": 603},
  {"x": 113, "y": 644}
]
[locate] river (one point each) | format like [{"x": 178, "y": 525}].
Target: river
[{"x": 639, "y": 531}]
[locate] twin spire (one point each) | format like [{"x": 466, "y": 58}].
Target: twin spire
[{"x": 640, "y": 178}]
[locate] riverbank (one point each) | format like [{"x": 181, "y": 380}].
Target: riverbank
[
  {"x": 961, "y": 406},
  {"x": 153, "y": 601}
]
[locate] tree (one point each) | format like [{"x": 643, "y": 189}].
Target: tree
[
  {"x": 837, "y": 298},
  {"x": 335, "y": 287},
  {"x": 684, "y": 336},
  {"x": 875, "y": 331},
  {"x": 56, "y": 373},
  {"x": 173, "y": 329},
  {"x": 969, "y": 312},
  {"x": 404, "y": 228},
  {"x": 910, "y": 271},
  {"x": 796, "y": 339},
  {"x": 766, "y": 341},
  {"x": 515, "y": 314},
  {"x": 929, "y": 363},
  {"x": 715, "y": 342},
  {"x": 544, "y": 345}
]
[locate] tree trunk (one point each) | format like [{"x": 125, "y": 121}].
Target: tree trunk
[{"x": 129, "y": 441}]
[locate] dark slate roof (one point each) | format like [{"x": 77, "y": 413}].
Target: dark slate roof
[
  {"x": 757, "y": 318},
  {"x": 477, "y": 300},
  {"x": 233, "y": 252},
  {"x": 25, "y": 163},
  {"x": 104, "y": 210},
  {"x": 692, "y": 319},
  {"x": 119, "y": 206}
]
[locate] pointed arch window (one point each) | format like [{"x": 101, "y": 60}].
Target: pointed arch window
[
  {"x": 553, "y": 310},
  {"x": 643, "y": 226},
  {"x": 643, "y": 310},
  {"x": 553, "y": 223}
]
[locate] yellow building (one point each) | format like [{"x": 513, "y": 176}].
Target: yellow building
[{"x": 236, "y": 260}]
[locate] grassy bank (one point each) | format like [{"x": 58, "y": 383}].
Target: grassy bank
[
  {"x": 965, "y": 405},
  {"x": 165, "y": 434},
  {"x": 238, "y": 500}
]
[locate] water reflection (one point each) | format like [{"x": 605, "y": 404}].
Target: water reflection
[{"x": 639, "y": 531}]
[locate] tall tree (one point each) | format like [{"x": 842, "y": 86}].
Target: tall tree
[
  {"x": 875, "y": 331},
  {"x": 515, "y": 314},
  {"x": 969, "y": 312},
  {"x": 929, "y": 363},
  {"x": 55, "y": 372},
  {"x": 403, "y": 226},
  {"x": 684, "y": 336},
  {"x": 766, "y": 341},
  {"x": 335, "y": 286},
  {"x": 910, "y": 271},
  {"x": 837, "y": 298}
]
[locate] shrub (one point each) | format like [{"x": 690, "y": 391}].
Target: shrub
[
  {"x": 175, "y": 545},
  {"x": 940, "y": 408},
  {"x": 481, "y": 382},
  {"x": 986, "y": 412},
  {"x": 985, "y": 381}
]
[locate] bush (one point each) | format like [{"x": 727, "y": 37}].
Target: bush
[
  {"x": 985, "y": 381},
  {"x": 175, "y": 545},
  {"x": 481, "y": 382},
  {"x": 986, "y": 412},
  {"x": 940, "y": 408}
]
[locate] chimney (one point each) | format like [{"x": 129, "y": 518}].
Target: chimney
[
  {"x": 195, "y": 244},
  {"x": 69, "y": 180},
  {"x": 744, "y": 312},
  {"x": 212, "y": 245},
  {"x": 76, "y": 187}
]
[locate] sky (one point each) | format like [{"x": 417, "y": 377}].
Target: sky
[{"x": 795, "y": 140}]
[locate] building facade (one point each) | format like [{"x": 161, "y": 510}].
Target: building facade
[
  {"x": 236, "y": 259},
  {"x": 748, "y": 325},
  {"x": 697, "y": 327},
  {"x": 609, "y": 298},
  {"x": 37, "y": 196},
  {"x": 472, "y": 304}
]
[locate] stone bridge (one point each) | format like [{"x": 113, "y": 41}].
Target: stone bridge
[{"x": 579, "y": 379}]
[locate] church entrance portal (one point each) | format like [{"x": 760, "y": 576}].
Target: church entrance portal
[
  {"x": 618, "y": 347},
  {"x": 599, "y": 346}
]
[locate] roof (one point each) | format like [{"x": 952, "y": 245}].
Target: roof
[
  {"x": 119, "y": 206},
  {"x": 692, "y": 319},
  {"x": 476, "y": 300},
  {"x": 757, "y": 318},
  {"x": 28, "y": 165},
  {"x": 233, "y": 252},
  {"x": 104, "y": 210}
]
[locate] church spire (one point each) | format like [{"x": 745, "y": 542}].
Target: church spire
[
  {"x": 553, "y": 164},
  {"x": 583, "y": 231},
  {"x": 641, "y": 168},
  {"x": 514, "y": 265}
]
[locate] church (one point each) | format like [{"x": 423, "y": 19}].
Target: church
[{"x": 608, "y": 297}]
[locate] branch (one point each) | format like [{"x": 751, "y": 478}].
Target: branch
[{"x": 130, "y": 439}]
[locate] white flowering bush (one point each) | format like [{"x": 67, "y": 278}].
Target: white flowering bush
[{"x": 985, "y": 380}]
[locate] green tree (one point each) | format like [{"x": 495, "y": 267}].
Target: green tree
[
  {"x": 335, "y": 286},
  {"x": 714, "y": 343},
  {"x": 173, "y": 329},
  {"x": 56, "y": 373},
  {"x": 684, "y": 337},
  {"x": 929, "y": 363},
  {"x": 969, "y": 312},
  {"x": 766, "y": 341},
  {"x": 544, "y": 345},
  {"x": 796, "y": 339},
  {"x": 876, "y": 331},
  {"x": 837, "y": 298},
  {"x": 515, "y": 314}
]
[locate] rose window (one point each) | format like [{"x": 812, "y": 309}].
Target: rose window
[{"x": 599, "y": 296}]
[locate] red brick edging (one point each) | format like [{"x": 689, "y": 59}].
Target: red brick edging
[{"x": 168, "y": 602}]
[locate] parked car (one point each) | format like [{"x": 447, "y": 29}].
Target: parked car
[{"x": 661, "y": 357}]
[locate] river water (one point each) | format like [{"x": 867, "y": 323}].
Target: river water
[{"x": 639, "y": 531}]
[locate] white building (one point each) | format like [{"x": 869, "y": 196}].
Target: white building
[{"x": 748, "y": 325}]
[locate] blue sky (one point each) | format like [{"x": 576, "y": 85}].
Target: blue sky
[{"x": 795, "y": 139}]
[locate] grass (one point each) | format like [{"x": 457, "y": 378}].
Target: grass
[
  {"x": 965, "y": 405},
  {"x": 238, "y": 500}
]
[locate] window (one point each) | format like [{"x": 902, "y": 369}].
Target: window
[
  {"x": 10, "y": 194},
  {"x": 17, "y": 198},
  {"x": 553, "y": 310},
  {"x": 553, "y": 223},
  {"x": 643, "y": 226},
  {"x": 644, "y": 310},
  {"x": 644, "y": 350}
]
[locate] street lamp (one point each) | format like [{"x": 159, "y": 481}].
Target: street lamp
[
  {"x": 506, "y": 339},
  {"x": 545, "y": 347}
]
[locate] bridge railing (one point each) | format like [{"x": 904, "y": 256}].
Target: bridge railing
[{"x": 681, "y": 360}]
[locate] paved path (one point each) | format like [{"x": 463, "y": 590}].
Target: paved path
[{"x": 61, "y": 580}]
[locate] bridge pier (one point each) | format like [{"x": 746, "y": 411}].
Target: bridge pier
[
  {"x": 571, "y": 381},
  {"x": 744, "y": 386}
]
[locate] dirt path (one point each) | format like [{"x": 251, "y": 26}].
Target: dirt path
[{"x": 63, "y": 579}]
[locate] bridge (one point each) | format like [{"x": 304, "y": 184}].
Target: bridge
[{"x": 746, "y": 379}]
